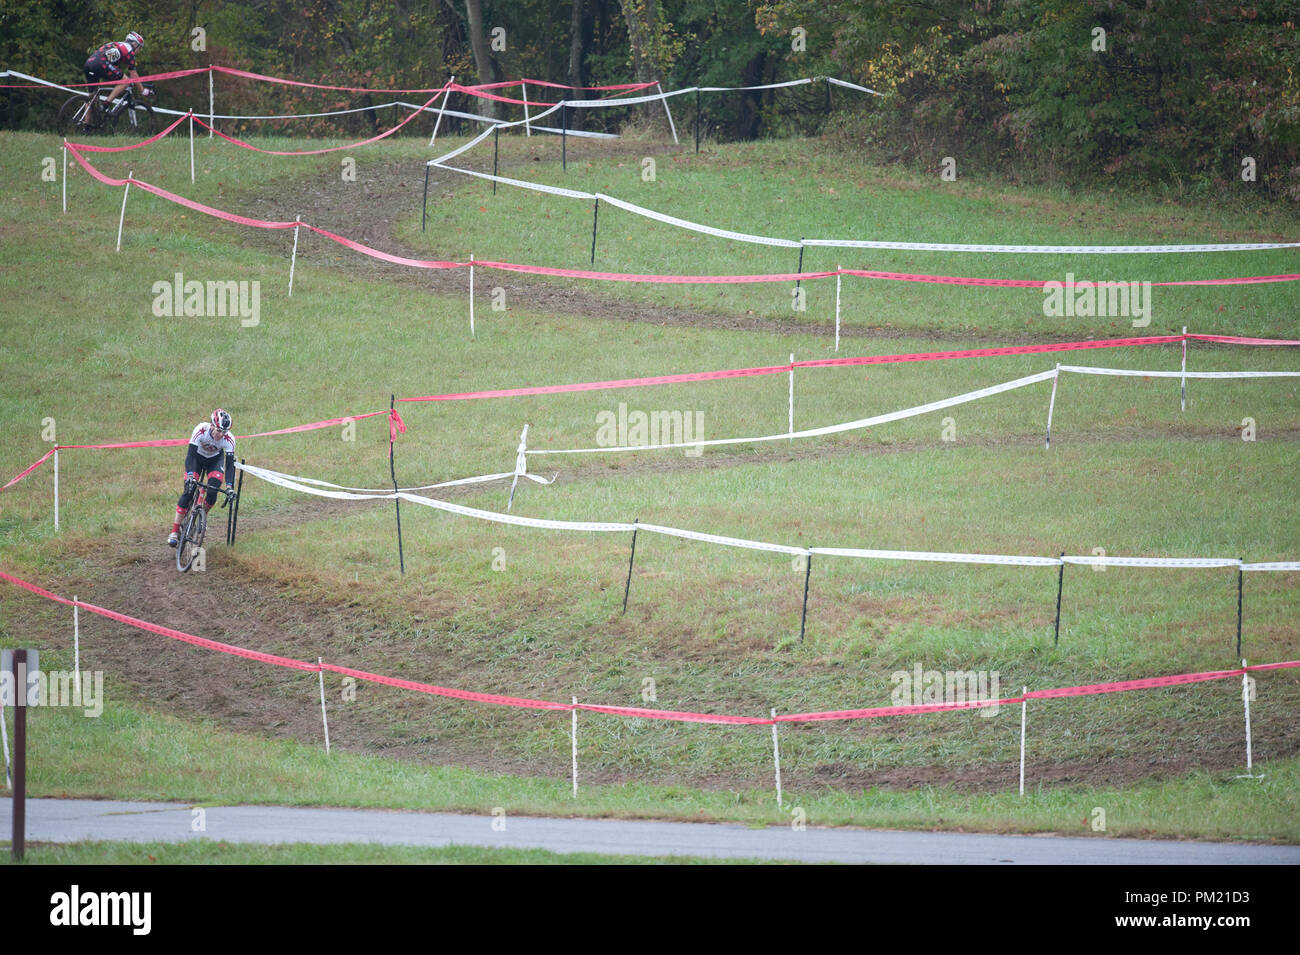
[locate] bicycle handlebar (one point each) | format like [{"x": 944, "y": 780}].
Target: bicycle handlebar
[{"x": 228, "y": 494}]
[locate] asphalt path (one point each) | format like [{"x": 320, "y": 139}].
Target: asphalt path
[{"x": 74, "y": 820}]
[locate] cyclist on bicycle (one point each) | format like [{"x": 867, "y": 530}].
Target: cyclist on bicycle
[
  {"x": 210, "y": 441},
  {"x": 116, "y": 61}
]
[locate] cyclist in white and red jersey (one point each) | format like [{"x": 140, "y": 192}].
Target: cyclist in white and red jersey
[
  {"x": 211, "y": 449},
  {"x": 116, "y": 61}
]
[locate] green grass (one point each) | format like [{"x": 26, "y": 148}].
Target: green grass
[
  {"x": 207, "y": 852},
  {"x": 714, "y": 628},
  {"x": 790, "y": 190},
  {"x": 199, "y": 763}
]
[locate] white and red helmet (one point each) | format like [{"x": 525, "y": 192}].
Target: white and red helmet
[
  {"x": 221, "y": 422},
  {"x": 135, "y": 39}
]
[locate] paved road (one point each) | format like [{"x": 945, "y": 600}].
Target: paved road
[{"x": 68, "y": 820}]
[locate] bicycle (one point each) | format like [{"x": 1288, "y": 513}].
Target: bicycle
[
  {"x": 89, "y": 113},
  {"x": 195, "y": 524}
]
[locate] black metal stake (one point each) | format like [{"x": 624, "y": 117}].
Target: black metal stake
[
  {"x": 828, "y": 96},
  {"x": 595, "y": 217},
  {"x": 801, "y": 247},
  {"x": 392, "y": 470},
  {"x": 1240, "y": 575},
  {"x": 239, "y": 489},
  {"x": 19, "y": 834},
  {"x": 496, "y": 144},
  {"x": 1060, "y": 582},
  {"x": 424, "y": 208},
  {"x": 628, "y": 586},
  {"x": 564, "y": 138},
  {"x": 807, "y": 573},
  {"x": 697, "y": 120}
]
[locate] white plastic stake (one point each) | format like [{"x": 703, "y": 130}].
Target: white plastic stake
[
  {"x": 528, "y": 130},
  {"x": 212, "y": 107},
  {"x": 323, "y": 718},
  {"x": 573, "y": 736},
  {"x": 792, "y": 396},
  {"x": 521, "y": 465},
  {"x": 471, "y": 295},
  {"x": 776, "y": 760},
  {"x": 1051, "y": 404},
  {"x": 294, "y": 259},
  {"x": 1245, "y": 700},
  {"x": 1184, "y": 388},
  {"x": 65, "y": 174},
  {"x": 446, "y": 95},
  {"x": 76, "y": 641},
  {"x": 1024, "y": 702},
  {"x": 56, "y": 488},
  {"x": 4, "y": 744},
  {"x": 126, "y": 191},
  {"x": 671, "y": 125},
  {"x": 191, "y": 147},
  {"x": 837, "y": 306}
]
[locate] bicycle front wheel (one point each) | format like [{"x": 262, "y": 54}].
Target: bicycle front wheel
[
  {"x": 191, "y": 542},
  {"x": 137, "y": 121}
]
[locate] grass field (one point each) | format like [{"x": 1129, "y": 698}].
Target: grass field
[{"x": 537, "y": 613}]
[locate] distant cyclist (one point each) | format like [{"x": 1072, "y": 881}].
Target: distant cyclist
[
  {"x": 211, "y": 449},
  {"x": 116, "y": 61}
]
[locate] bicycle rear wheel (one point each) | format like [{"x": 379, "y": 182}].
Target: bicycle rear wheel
[
  {"x": 72, "y": 116},
  {"x": 192, "y": 530}
]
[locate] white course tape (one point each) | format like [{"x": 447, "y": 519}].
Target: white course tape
[
  {"x": 484, "y": 135},
  {"x": 852, "y": 86},
  {"x": 1050, "y": 249},
  {"x": 299, "y": 484},
  {"x": 1109, "y": 561},
  {"x": 619, "y": 203},
  {"x": 698, "y": 227},
  {"x": 514, "y": 519},
  {"x": 828, "y": 429},
  {"x": 37, "y": 79},
  {"x": 423, "y": 487},
  {"x": 1022, "y": 561},
  {"x": 719, "y": 539},
  {"x": 1091, "y": 370},
  {"x": 496, "y": 122},
  {"x": 288, "y": 481},
  {"x": 863, "y": 244},
  {"x": 628, "y": 101},
  {"x": 537, "y": 187},
  {"x": 765, "y": 86}
]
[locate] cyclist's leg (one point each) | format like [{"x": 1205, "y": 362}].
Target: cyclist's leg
[
  {"x": 193, "y": 465},
  {"x": 117, "y": 91},
  {"x": 215, "y": 477},
  {"x": 88, "y": 117}
]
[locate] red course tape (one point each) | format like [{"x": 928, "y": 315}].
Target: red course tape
[{"x": 640, "y": 712}]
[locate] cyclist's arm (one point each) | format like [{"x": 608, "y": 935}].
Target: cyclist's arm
[
  {"x": 135, "y": 77},
  {"x": 230, "y": 469}
]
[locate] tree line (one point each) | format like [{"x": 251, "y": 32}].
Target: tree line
[{"x": 1188, "y": 95}]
